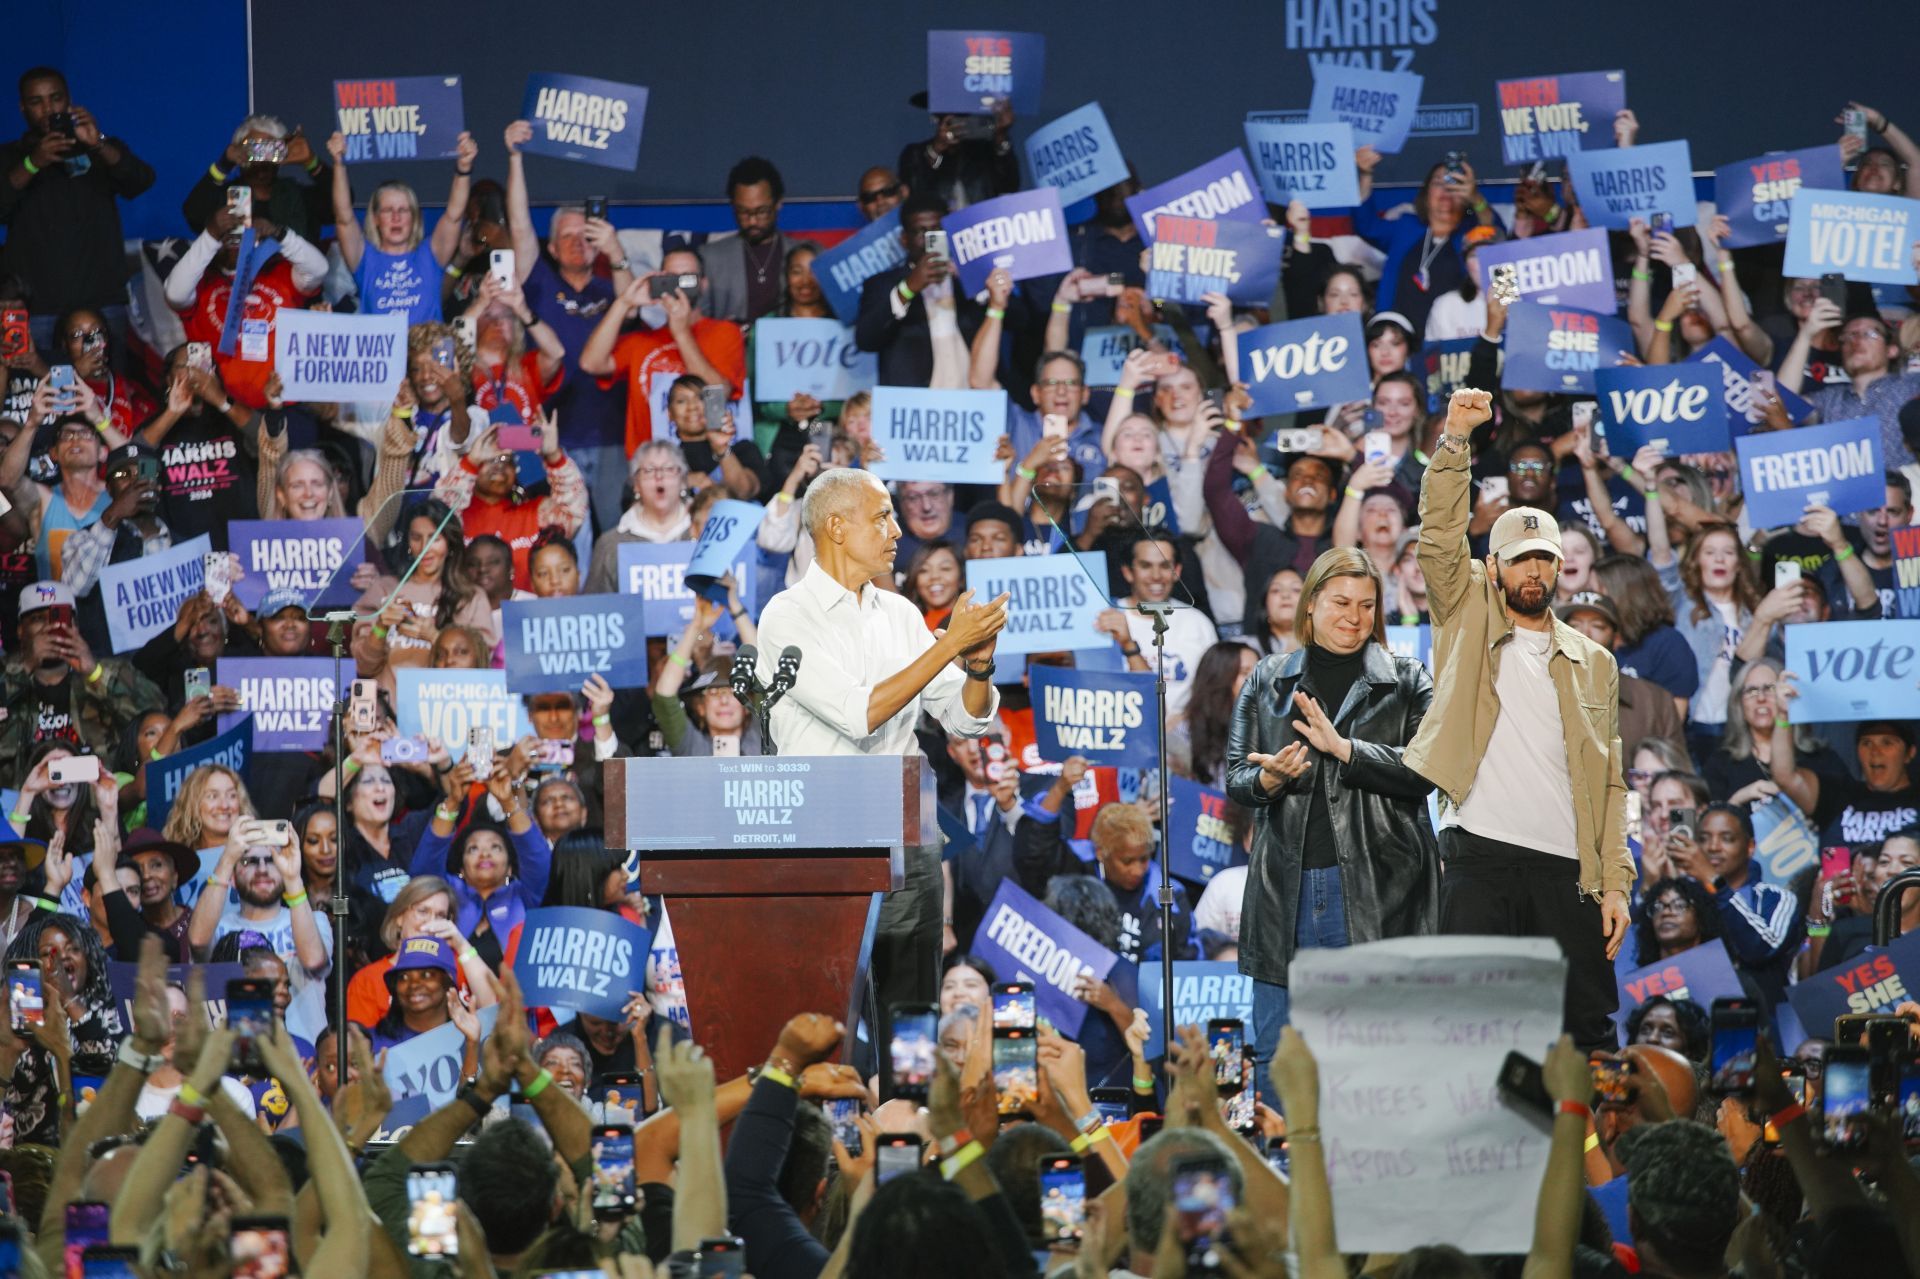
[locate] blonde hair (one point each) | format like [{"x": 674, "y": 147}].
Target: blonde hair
[
  {"x": 411, "y": 894},
  {"x": 183, "y": 819},
  {"x": 312, "y": 457},
  {"x": 1340, "y": 561},
  {"x": 413, "y": 202},
  {"x": 1120, "y": 821}
]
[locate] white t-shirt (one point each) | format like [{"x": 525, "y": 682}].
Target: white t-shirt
[
  {"x": 307, "y": 1014},
  {"x": 154, "y": 1100},
  {"x": 1709, "y": 705},
  {"x": 1523, "y": 793},
  {"x": 1190, "y": 633},
  {"x": 1219, "y": 907}
]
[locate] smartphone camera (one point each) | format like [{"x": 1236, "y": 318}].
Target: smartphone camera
[
  {"x": 1848, "y": 1096},
  {"x": 1202, "y": 1198},
  {"x": 596, "y": 208},
  {"x": 1736, "y": 1037},
  {"x": 1613, "y": 1080},
  {"x": 844, "y": 1114},
  {"x": 26, "y": 997},
  {"x": 1016, "y": 1071},
  {"x": 911, "y": 1049},
  {"x": 260, "y": 1248},
  {"x": 613, "y": 1175},
  {"x": 721, "y": 1258},
  {"x": 895, "y": 1154},
  {"x": 432, "y": 1223},
  {"x": 1063, "y": 1199},
  {"x": 1013, "y": 1003},
  {"x": 1227, "y": 1042},
  {"x": 250, "y": 1018}
]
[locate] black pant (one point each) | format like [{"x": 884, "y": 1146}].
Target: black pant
[
  {"x": 906, "y": 943},
  {"x": 1494, "y": 888}
]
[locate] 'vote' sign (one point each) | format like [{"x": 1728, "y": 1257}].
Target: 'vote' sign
[
  {"x": 1304, "y": 364},
  {"x": 1863, "y": 237},
  {"x": 1854, "y": 670},
  {"x": 1677, "y": 408}
]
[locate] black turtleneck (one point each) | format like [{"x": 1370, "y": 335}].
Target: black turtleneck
[{"x": 1328, "y": 677}]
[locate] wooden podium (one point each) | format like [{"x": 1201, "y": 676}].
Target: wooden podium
[{"x": 772, "y": 868}]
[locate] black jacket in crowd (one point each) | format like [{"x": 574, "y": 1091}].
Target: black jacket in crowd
[
  {"x": 905, "y": 346},
  {"x": 1388, "y": 856}
]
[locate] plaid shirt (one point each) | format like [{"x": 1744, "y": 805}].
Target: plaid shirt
[
  {"x": 1884, "y": 398},
  {"x": 85, "y": 553}
]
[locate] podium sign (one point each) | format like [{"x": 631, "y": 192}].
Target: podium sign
[{"x": 775, "y": 802}]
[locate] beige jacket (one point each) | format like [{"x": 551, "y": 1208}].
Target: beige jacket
[{"x": 1470, "y": 627}]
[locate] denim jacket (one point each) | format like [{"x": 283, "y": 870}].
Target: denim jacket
[{"x": 1706, "y": 636}]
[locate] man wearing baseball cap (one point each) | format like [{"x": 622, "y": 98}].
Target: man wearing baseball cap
[
  {"x": 54, "y": 689},
  {"x": 1523, "y": 739},
  {"x": 1646, "y": 709}
]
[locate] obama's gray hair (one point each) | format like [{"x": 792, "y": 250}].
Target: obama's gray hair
[{"x": 835, "y": 491}]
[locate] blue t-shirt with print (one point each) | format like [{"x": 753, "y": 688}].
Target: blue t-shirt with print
[{"x": 406, "y": 282}]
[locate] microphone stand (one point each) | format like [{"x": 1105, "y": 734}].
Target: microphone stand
[
  {"x": 337, "y": 624},
  {"x": 1159, "y": 611}
]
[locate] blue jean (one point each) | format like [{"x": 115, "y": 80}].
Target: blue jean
[
  {"x": 604, "y": 469},
  {"x": 1321, "y": 924}
]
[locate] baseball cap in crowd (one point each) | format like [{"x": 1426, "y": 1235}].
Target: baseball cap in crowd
[
  {"x": 1899, "y": 728},
  {"x": 186, "y": 862},
  {"x": 1524, "y": 529},
  {"x": 422, "y": 952},
  {"x": 280, "y": 599},
  {"x": 38, "y": 595},
  {"x": 129, "y": 455},
  {"x": 1589, "y": 602}
]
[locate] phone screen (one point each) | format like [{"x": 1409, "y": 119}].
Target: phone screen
[
  {"x": 1113, "y": 1104},
  {"x": 613, "y": 1187},
  {"x": 1907, "y": 1101},
  {"x": 621, "y": 1092},
  {"x": 86, "y": 1228},
  {"x": 110, "y": 1263},
  {"x": 432, "y": 1228},
  {"x": 1848, "y": 1092},
  {"x": 912, "y": 1048},
  {"x": 1016, "y": 1071},
  {"x": 1227, "y": 1041},
  {"x": 1797, "y": 1085},
  {"x": 250, "y": 1018},
  {"x": 1202, "y": 1197},
  {"x": 1238, "y": 1110},
  {"x": 1736, "y": 1033},
  {"x": 1280, "y": 1158},
  {"x": 25, "y": 996},
  {"x": 844, "y": 1114},
  {"x": 260, "y": 1250},
  {"x": 895, "y": 1155},
  {"x": 1013, "y": 1006},
  {"x": 1613, "y": 1079},
  {"x": 1063, "y": 1198}
]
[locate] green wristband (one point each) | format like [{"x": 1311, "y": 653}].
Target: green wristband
[
  {"x": 680, "y": 660},
  {"x": 539, "y": 1084}
]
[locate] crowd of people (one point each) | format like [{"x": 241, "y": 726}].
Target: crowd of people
[{"x": 1635, "y": 735}]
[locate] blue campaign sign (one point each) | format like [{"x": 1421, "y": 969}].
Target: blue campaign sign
[
  {"x": 1103, "y": 717},
  {"x": 586, "y": 960},
  {"x": 1906, "y": 573},
  {"x": 405, "y": 118},
  {"x": 308, "y": 556},
  {"x": 1053, "y": 602},
  {"x": 1573, "y": 268},
  {"x": 1204, "y": 990},
  {"x": 1223, "y": 187},
  {"x": 792, "y": 356},
  {"x": 1739, "y": 378},
  {"x": 1192, "y": 257},
  {"x": 1446, "y": 367},
  {"x": 1414, "y": 641},
  {"x": 1312, "y": 163},
  {"x": 949, "y": 436},
  {"x": 552, "y": 645},
  {"x": 1678, "y": 407},
  {"x": 334, "y": 356},
  {"x": 1305, "y": 364},
  {"x": 1545, "y": 117},
  {"x": 1702, "y": 974},
  {"x": 1837, "y": 465},
  {"x": 1199, "y": 845},
  {"x": 1851, "y": 671},
  {"x": 429, "y": 1066},
  {"x": 1869, "y": 238},
  {"x": 1559, "y": 348},
  {"x": 231, "y": 748},
  {"x": 1379, "y": 105},
  {"x": 656, "y": 572},
  {"x": 447, "y": 704},
  {"x": 1023, "y": 233},
  {"x": 1024, "y": 941},
  {"x": 724, "y": 540},
  {"x": 1756, "y": 195},
  {"x": 1105, "y": 348},
  {"x": 1620, "y": 184},
  {"x": 290, "y": 699},
  {"x": 970, "y": 72},
  {"x": 848, "y": 265},
  {"x": 143, "y": 597},
  {"x": 1784, "y": 842},
  {"x": 1076, "y": 154},
  {"x": 577, "y": 117},
  {"x": 1875, "y": 982}
]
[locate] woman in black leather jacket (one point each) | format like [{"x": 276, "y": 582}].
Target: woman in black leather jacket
[{"x": 1343, "y": 851}]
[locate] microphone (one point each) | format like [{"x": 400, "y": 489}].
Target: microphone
[
  {"x": 785, "y": 674},
  {"x": 745, "y": 680}
]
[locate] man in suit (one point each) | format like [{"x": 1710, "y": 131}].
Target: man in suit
[
  {"x": 913, "y": 317},
  {"x": 747, "y": 273},
  {"x": 983, "y": 791}
]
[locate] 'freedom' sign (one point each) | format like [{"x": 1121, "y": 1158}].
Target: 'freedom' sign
[
  {"x": 324, "y": 355},
  {"x": 1192, "y": 257},
  {"x": 290, "y": 699},
  {"x": 404, "y": 118},
  {"x": 143, "y": 597},
  {"x": 1053, "y": 602},
  {"x": 656, "y": 572},
  {"x": 1558, "y": 115},
  {"x": 552, "y": 645},
  {"x": 1837, "y": 465},
  {"x": 1076, "y": 154},
  {"x": 1304, "y": 364},
  {"x": 1678, "y": 408},
  {"x": 586, "y": 960},
  {"x": 971, "y": 72},
  {"x": 1223, "y": 187},
  {"x": 1868, "y": 238},
  {"x": 446, "y": 704},
  {"x": 1023, "y": 234},
  {"x": 1620, "y": 184},
  {"x": 1854, "y": 670},
  {"x": 1756, "y": 196},
  {"x": 1572, "y": 268},
  {"x": 1378, "y": 105},
  {"x": 1103, "y": 717},
  {"x": 1559, "y": 348},
  {"x": 949, "y": 436},
  {"x": 297, "y": 555},
  {"x": 1312, "y": 163},
  {"x": 817, "y": 357},
  {"x": 1024, "y": 941},
  {"x": 848, "y": 265},
  {"x": 580, "y": 118}
]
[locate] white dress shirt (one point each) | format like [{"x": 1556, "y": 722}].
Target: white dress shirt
[{"x": 849, "y": 645}]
